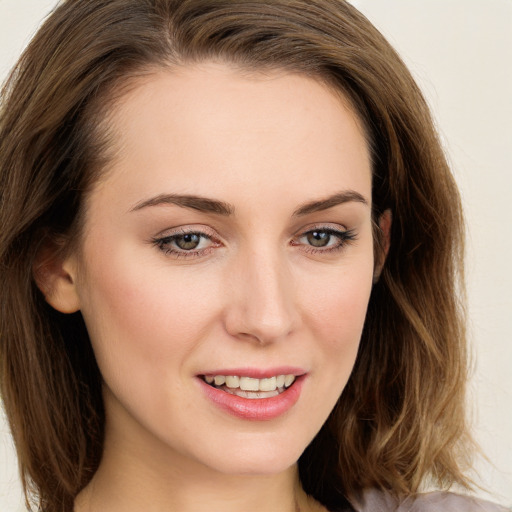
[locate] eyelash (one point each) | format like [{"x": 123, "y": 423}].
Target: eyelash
[
  {"x": 164, "y": 244},
  {"x": 345, "y": 237}
]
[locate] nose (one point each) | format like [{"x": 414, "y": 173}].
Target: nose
[{"x": 261, "y": 304}]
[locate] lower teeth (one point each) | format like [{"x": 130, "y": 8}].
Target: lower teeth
[{"x": 250, "y": 394}]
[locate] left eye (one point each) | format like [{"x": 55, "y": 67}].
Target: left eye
[
  {"x": 326, "y": 238},
  {"x": 318, "y": 238}
]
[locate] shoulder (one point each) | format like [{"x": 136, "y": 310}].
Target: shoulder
[{"x": 374, "y": 500}]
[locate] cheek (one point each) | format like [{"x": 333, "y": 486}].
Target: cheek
[
  {"x": 335, "y": 316},
  {"x": 136, "y": 312},
  {"x": 334, "y": 310},
  {"x": 338, "y": 302}
]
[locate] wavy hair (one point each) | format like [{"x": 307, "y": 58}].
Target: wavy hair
[{"x": 400, "y": 421}]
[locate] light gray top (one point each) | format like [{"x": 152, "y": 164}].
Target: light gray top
[{"x": 440, "y": 501}]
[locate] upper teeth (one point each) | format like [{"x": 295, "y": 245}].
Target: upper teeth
[{"x": 250, "y": 384}]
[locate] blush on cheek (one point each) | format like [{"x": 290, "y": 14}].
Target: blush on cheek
[
  {"x": 342, "y": 308},
  {"x": 146, "y": 314},
  {"x": 339, "y": 328}
]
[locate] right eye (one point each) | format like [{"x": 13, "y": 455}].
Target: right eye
[
  {"x": 185, "y": 244},
  {"x": 188, "y": 241}
]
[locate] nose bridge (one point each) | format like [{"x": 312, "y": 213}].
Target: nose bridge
[{"x": 262, "y": 301}]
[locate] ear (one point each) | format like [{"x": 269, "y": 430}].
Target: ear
[
  {"x": 385, "y": 221},
  {"x": 55, "y": 276}
]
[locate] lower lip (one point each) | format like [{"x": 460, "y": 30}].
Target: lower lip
[{"x": 255, "y": 409}]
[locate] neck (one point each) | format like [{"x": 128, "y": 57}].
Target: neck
[{"x": 112, "y": 490}]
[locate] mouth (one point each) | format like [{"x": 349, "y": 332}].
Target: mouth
[
  {"x": 252, "y": 394},
  {"x": 250, "y": 387}
]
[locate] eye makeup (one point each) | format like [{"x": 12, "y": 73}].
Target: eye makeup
[
  {"x": 197, "y": 243},
  {"x": 187, "y": 243},
  {"x": 325, "y": 240}
]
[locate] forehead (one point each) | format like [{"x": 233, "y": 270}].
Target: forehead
[{"x": 210, "y": 124}]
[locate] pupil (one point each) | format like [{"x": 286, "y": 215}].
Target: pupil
[
  {"x": 319, "y": 238},
  {"x": 188, "y": 242}
]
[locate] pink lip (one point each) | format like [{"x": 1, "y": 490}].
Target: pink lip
[{"x": 254, "y": 409}]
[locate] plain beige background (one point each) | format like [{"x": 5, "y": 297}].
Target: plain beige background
[{"x": 460, "y": 51}]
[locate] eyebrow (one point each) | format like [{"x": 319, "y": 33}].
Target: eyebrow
[
  {"x": 203, "y": 204},
  {"x": 347, "y": 196},
  {"x": 207, "y": 205}
]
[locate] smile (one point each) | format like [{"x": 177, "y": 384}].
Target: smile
[
  {"x": 261, "y": 396},
  {"x": 249, "y": 387}
]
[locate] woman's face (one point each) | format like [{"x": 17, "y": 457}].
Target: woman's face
[{"x": 231, "y": 236}]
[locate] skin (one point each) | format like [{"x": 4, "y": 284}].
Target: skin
[{"x": 256, "y": 293}]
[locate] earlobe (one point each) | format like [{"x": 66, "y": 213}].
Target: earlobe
[
  {"x": 56, "y": 278},
  {"x": 385, "y": 222}
]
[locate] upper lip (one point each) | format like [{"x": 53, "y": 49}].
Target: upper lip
[{"x": 257, "y": 373}]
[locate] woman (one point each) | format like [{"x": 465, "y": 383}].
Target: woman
[{"x": 231, "y": 251}]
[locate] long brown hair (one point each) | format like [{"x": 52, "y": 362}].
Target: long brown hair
[{"x": 400, "y": 421}]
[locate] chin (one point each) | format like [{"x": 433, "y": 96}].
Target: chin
[
  {"x": 256, "y": 456},
  {"x": 255, "y": 466}
]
